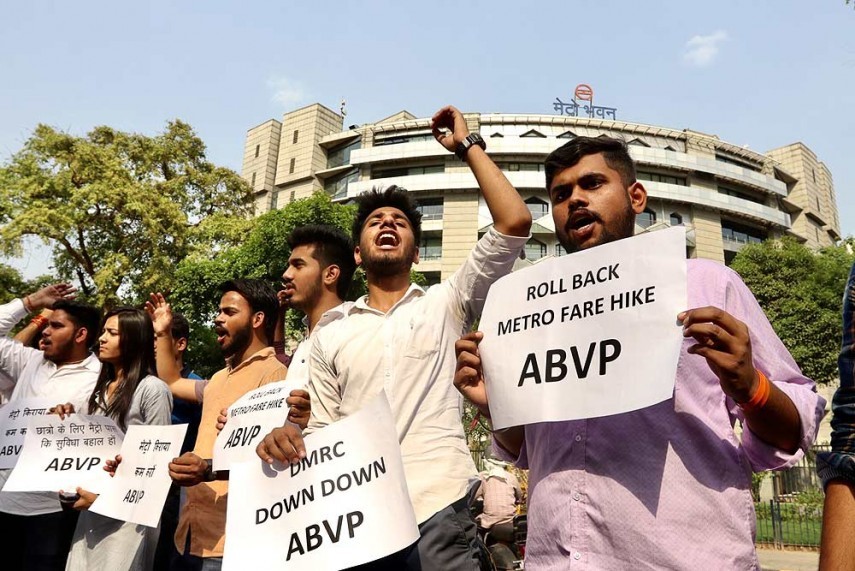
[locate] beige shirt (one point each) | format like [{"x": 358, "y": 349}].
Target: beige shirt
[
  {"x": 409, "y": 353},
  {"x": 204, "y": 513}
]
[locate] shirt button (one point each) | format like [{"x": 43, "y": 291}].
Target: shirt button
[
  {"x": 577, "y": 496},
  {"x": 577, "y": 556},
  {"x": 578, "y": 438}
]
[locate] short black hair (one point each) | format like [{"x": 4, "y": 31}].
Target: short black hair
[
  {"x": 82, "y": 315},
  {"x": 332, "y": 247},
  {"x": 615, "y": 153},
  {"x": 261, "y": 297},
  {"x": 393, "y": 196},
  {"x": 180, "y": 327}
]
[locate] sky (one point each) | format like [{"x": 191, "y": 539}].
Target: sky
[{"x": 762, "y": 74}]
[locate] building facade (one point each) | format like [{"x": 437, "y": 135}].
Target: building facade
[{"x": 725, "y": 195}]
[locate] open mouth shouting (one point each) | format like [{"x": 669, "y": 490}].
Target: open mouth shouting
[
  {"x": 221, "y": 334},
  {"x": 580, "y": 225},
  {"x": 387, "y": 240}
]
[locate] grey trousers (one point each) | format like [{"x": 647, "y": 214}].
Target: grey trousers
[{"x": 448, "y": 542}]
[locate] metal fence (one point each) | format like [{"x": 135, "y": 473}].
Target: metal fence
[
  {"x": 794, "y": 517},
  {"x": 788, "y": 524},
  {"x": 800, "y": 478}
]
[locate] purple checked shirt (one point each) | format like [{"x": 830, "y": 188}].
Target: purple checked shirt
[{"x": 668, "y": 486}]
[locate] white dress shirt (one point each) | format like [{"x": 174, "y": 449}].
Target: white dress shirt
[
  {"x": 35, "y": 376},
  {"x": 298, "y": 370},
  {"x": 409, "y": 353}
]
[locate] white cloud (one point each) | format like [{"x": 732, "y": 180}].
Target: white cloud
[
  {"x": 701, "y": 51},
  {"x": 287, "y": 92}
]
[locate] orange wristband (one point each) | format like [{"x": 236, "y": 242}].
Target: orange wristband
[
  {"x": 761, "y": 395},
  {"x": 40, "y": 321}
]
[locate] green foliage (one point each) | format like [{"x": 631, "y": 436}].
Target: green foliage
[
  {"x": 12, "y": 284},
  {"x": 801, "y": 292},
  {"x": 120, "y": 209},
  {"x": 262, "y": 254}
]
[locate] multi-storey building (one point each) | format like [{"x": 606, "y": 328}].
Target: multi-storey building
[{"x": 726, "y": 195}]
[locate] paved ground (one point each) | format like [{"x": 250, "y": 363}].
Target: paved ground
[{"x": 781, "y": 560}]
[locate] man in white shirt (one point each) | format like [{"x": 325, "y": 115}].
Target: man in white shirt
[
  {"x": 400, "y": 339},
  {"x": 35, "y": 533},
  {"x": 319, "y": 273}
]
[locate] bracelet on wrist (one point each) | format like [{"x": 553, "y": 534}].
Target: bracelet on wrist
[
  {"x": 28, "y": 305},
  {"x": 39, "y": 321},
  {"x": 761, "y": 395}
]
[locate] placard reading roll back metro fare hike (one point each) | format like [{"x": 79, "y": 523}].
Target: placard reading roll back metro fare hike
[{"x": 589, "y": 334}]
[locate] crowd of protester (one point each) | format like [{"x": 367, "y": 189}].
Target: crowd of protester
[{"x": 664, "y": 487}]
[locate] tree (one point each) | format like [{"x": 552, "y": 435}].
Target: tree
[
  {"x": 120, "y": 209},
  {"x": 801, "y": 292},
  {"x": 262, "y": 254}
]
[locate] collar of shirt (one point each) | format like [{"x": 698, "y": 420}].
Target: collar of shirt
[
  {"x": 90, "y": 363},
  {"x": 361, "y": 304},
  {"x": 257, "y": 356},
  {"x": 328, "y": 317}
]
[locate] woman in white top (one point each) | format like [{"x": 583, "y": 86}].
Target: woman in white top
[{"x": 129, "y": 392}]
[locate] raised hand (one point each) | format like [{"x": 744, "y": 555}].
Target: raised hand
[
  {"x": 469, "y": 377},
  {"x": 725, "y": 343},
  {"x": 48, "y": 295},
  {"x": 449, "y": 127},
  {"x": 160, "y": 312}
]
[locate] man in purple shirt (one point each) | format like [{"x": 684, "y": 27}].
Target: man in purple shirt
[{"x": 667, "y": 486}]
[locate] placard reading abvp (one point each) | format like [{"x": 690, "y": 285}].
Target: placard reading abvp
[
  {"x": 344, "y": 504},
  {"x": 586, "y": 335}
]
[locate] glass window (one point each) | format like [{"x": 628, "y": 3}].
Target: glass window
[
  {"x": 742, "y": 195},
  {"x": 534, "y": 250},
  {"x": 407, "y": 171},
  {"x": 675, "y": 219},
  {"x": 257, "y": 150},
  {"x": 337, "y": 187},
  {"x": 533, "y": 133},
  {"x": 560, "y": 250},
  {"x": 291, "y": 168},
  {"x": 663, "y": 178},
  {"x": 296, "y": 136},
  {"x": 430, "y": 208},
  {"x": 252, "y": 184},
  {"x": 341, "y": 155},
  {"x": 735, "y": 233},
  {"x": 538, "y": 208},
  {"x": 430, "y": 248},
  {"x": 400, "y": 139},
  {"x": 567, "y": 135},
  {"x": 646, "y": 218}
]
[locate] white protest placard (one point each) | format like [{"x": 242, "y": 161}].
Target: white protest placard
[
  {"x": 14, "y": 417},
  {"x": 590, "y": 334},
  {"x": 138, "y": 491},
  {"x": 345, "y": 504},
  {"x": 64, "y": 454},
  {"x": 250, "y": 419}
]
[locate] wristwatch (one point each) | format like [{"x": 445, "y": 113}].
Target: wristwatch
[{"x": 466, "y": 144}]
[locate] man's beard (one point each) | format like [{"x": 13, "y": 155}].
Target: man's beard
[
  {"x": 238, "y": 342},
  {"x": 384, "y": 265},
  {"x": 623, "y": 228},
  {"x": 310, "y": 298},
  {"x": 59, "y": 353}
]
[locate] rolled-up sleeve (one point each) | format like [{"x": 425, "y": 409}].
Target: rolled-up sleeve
[{"x": 772, "y": 358}]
